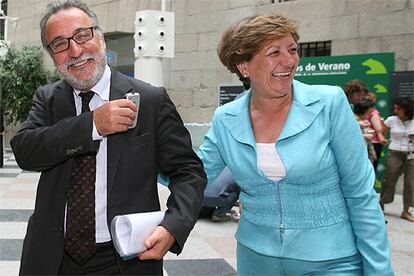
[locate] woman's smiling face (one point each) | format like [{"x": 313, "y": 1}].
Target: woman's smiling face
[{"x": 272, "y": 69}]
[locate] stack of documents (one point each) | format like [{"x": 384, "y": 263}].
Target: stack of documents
[{"x": 130, "y": 231}]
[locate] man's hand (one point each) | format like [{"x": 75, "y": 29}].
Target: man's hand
[
  {"x": 114, "y": 116},
  {"x": 157, "y": 244}
]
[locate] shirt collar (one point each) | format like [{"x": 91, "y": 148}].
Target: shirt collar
[{"x": 102, "y": 87}]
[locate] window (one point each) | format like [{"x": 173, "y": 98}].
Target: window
[
  {"x": 4, "y": 12},
  {"x": 315, "y": 49},
  {"x": 119, "y": 51}
]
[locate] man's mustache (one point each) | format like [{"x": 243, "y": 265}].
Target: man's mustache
[{"x": 83, "y": 57}]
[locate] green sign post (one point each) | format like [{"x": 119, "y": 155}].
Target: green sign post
[{"x": 375, "y": 70}]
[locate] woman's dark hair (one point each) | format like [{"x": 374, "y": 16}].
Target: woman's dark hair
[
  {"x": 362, "y": 107},
  {"x": 407, "y": 105}
]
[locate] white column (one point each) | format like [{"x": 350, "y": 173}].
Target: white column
[
  {"x": 149, "y": 69},
  {"x": 154, "y": 40}
]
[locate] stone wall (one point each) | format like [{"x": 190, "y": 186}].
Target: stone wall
[{"x": 193, "y": 76}]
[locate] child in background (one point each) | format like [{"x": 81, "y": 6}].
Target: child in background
[
  {"x": 362, "y": 111},
  {"x": 376, "y": 123}
]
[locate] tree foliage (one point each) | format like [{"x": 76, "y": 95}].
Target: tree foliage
[{"x": 21, "y": 73}]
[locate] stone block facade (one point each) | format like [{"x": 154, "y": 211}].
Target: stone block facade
[{"x": 193, "y": 76}]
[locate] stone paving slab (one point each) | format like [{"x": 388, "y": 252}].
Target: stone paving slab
[
  {"x": 15, "y": 215},
  {"x": 210, "y": 248},
  {"x": 200, "y": 257},
  {"x": 199, "y": 267}
]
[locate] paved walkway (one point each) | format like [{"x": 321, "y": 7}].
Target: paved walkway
[{"x": 210, "y": 249}]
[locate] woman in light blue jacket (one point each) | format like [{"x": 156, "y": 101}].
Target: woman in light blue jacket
[{"x": 301, "y": 162}]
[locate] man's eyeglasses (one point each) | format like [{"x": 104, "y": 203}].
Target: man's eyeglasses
[{"x": 80, "y": 37}]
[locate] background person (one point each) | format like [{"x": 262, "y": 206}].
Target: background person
[
  {"x": 355, "y": 91},
  {"x": 375, "y": 123},
  {"x": 223, "y": 193},
  {"x": 299, "y": 157},
  {"x": 92, "y": 166},
  {"x": 400, "y": 157},
  {"x": 362, "y": 111},
  {"x": 220, "y": 197}
]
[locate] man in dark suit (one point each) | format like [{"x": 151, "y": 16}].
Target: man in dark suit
[{"x": 61, "y": 131}]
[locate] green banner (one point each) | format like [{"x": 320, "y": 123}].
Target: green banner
[{"x": 375, "y": 70}]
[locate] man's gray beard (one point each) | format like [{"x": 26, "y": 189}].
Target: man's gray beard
[{"x": 84, "y": 85}]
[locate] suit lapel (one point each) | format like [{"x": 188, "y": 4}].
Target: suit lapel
[
  {"x": 119, "y": 87},
  {"x": 64, "y": 102}
]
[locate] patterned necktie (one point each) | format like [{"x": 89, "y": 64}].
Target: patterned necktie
[{"x": 80, "y": 220}]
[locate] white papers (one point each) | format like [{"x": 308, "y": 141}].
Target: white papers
[{"x": 130, "y": 231}]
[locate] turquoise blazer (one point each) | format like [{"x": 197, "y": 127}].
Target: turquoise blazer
[{"x": 325, "y": 208}]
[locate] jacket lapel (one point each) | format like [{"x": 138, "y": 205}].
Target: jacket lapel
[
  {"x": 305, "y": 108},
  {"x": 119, "y": 87},
  {"x": 64, "y": 102},
  {"x": 237, "y": 121}
]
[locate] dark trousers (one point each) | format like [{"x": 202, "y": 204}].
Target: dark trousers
[
  {"x": 397, "y": 163},
  {"x": 378, "y": 149},
  {"x": 102, "y": 263}
]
